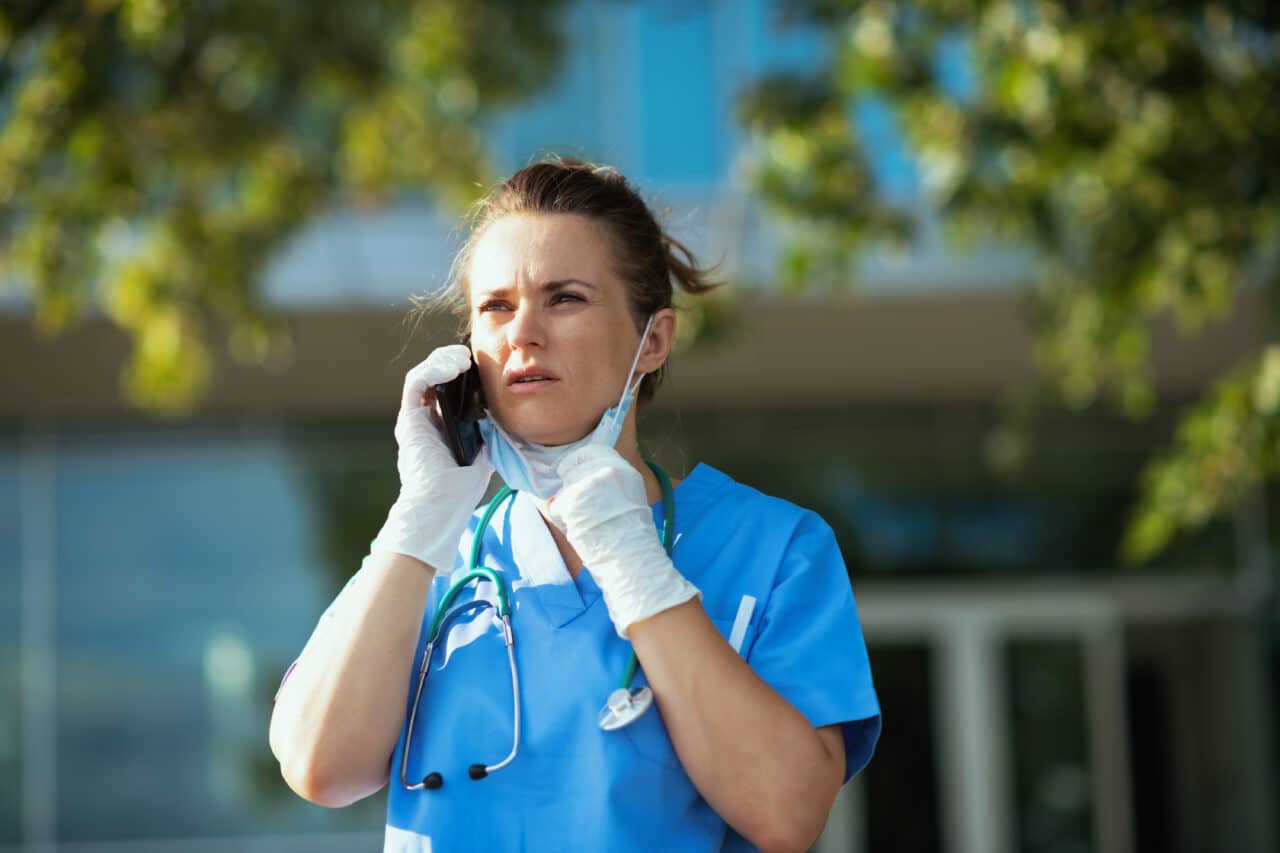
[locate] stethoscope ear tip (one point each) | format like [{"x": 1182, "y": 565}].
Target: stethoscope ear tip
[
  {"x": 432, "y": 781},
  {"x": 477, "y": 771}
]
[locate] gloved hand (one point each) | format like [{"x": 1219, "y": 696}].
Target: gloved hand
[
  {"x": 437, "y": 495},
  {"x": 603, "y": 512}
]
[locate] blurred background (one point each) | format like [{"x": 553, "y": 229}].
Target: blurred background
[{"x": 1001, "y": 307}]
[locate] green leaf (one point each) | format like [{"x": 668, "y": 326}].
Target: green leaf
[
  {"x": 1132, "y": 146},
  {"x": 155, "y": 154}
]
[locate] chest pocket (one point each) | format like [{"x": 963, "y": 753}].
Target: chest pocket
[{"x": 648, "y": 734}]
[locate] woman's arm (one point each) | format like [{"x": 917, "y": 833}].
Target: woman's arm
[
  {"x": 338, "y": 715},
  {"x": 755, "y": 758}
]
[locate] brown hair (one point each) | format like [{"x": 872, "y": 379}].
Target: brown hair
[{"x": 647, "y": 259}]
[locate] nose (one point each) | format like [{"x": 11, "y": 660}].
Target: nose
[{"x": 525, "y": 329}]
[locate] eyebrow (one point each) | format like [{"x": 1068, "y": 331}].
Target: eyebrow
[{"x": 546, "y": 287}]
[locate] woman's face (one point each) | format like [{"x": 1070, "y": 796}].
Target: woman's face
[{"x": 550, "y": 325}]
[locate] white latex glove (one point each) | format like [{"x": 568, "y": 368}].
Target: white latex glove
[
  {"x": 437, "y": 495},
  {"x": 603, "y": 511}
]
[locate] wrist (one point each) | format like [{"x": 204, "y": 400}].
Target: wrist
[
  {"x": 403, "y": 532},
  {"x": 426, "y": 527},
  {"x": 637, "y": 604},
  {"x": 639, "y": 584}
]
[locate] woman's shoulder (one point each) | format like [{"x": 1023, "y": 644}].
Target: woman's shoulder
[
  {"x": 708, "y": 483},
  {"x": 742, "y": 541}
]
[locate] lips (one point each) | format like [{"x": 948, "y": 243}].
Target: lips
[{"x": 528, "y": 376}]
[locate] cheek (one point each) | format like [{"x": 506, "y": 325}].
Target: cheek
[
  {"x": 480, "y": 338},
  {"x": 485, "y": 336},
  {"x": 488, "y": 359}
]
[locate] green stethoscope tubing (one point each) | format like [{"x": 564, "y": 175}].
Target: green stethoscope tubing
[{"x": 445, "y": 612}]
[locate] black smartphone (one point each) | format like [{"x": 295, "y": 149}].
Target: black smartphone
[{"x": 458, "y": 402}]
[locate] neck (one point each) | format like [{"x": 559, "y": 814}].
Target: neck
[{"x": 629, "y": 449}]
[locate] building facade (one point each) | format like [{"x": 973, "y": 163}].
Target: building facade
[{"x": 156, "y": 578}]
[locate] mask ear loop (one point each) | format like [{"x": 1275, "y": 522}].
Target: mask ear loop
[{"x": 627, "y": 387}]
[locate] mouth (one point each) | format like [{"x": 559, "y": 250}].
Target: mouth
[{"x": 529, "y": 379}]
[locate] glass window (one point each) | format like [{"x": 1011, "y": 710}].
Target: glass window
[
  {"x": 908, "y": 489},
  {"x": 1052, "y": 784},
  {"x": 651, "y": 88},
  {"x": 192, "y": 564},
  {"x": 564, "y": 117},
  {"x": 903, "y": 805},
  {"x": 891, "y": 161},
  {"x": 1152, "y": 746},
  {"x": 783, "y": 42},
  {"x": 680, "y": 116},
  {"x": 10, "y": 638}
]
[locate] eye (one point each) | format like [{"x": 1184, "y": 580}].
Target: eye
[
  {"x": 566, "y": 296},
  {"x": 491, "y": 305}
]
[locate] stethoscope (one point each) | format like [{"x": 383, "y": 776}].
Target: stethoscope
[{"x": 624, "y": 704}]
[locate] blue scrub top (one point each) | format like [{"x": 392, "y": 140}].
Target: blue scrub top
[{"x": 772, "y": 580}]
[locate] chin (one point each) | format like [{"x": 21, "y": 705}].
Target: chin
[
  {"x": 551, "y": 430},
  {"x": 555, "y": 437}
]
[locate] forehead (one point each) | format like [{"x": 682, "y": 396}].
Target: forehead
[{"x": 539, "y": 247}]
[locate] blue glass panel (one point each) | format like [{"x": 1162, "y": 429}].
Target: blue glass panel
[
  {"x": 782, "y": 44},
  {"x": 680, "y": 117},
  {"x": 891, "y": 161},
  {"x": 564, "y": 118},
  {"x": 955, "y": 67},
  {"x": 10, "y": 688},
  {"x": 188, "y": 578}
]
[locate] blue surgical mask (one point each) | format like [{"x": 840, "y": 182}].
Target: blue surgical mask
[{"x": 527, "y": 466}]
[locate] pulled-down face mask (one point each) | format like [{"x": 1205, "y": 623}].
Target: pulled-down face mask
[{"x": 531, "y": 467}]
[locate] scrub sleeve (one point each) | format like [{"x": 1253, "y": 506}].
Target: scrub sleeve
[{"x": 805, "y": 647}]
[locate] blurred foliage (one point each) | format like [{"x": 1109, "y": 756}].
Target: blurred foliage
[
  {"x": 154, "y": 154},
  {"x": 1133, "y": 144}
]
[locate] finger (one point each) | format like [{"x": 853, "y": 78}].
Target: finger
[
  {"x": 416, "y": 393},
  {"x": 583, "y": 460},
  {"x": 441, "y": 366},
  {"x": 444, "y": 364}
]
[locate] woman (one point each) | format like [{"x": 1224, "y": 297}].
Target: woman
[{"x": 746, "y": 635}]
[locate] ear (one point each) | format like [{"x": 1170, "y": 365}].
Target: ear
[{"x": 662, "y": 334}]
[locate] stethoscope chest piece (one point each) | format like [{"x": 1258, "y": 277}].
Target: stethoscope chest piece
[{"x": 624, "y": 707}]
